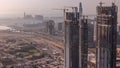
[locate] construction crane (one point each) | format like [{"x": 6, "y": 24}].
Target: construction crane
[
  {"x": 64, "y": 10},
  {"x": 70, "y": 7}
]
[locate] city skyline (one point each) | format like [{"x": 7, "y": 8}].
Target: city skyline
[
  {"x": 16, "y": 8},
  {"x": 46, "y": 34}
]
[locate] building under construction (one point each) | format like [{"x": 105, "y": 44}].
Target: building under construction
[
  {"x": 72, "y": 39},
  {"x": 76, "y": 39},
  {"x": 106, "y": 36},
  {"x": 83, "y": 42}
]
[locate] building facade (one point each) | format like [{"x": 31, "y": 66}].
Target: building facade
[
  {"x": 72, "y": 39},
  {"x": 106, "y": 36},
  {"x": 83, "y": 42}
]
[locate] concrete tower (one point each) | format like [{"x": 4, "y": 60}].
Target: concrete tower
[
  {"x": 72, "y": 39},
  {"x": 106, "y": 36},
  {"x": 83, "y": 42}
]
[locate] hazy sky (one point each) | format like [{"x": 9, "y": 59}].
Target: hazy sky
[{"x": 14, "y": 8}]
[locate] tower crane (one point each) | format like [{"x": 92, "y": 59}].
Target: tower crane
[{"x": 62, "y": 9}]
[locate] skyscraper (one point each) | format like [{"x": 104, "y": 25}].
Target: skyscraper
[
  {"x": 50, "y": 26},
  {"x": 106, "y": 36},
  {"x": 83, "y": 42},
  {"x": 72, "y": 39}
]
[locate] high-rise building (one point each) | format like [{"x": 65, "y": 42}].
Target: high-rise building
[
  {"x": 83, "y": 42},
  {"x": 72, "y": 39},
  {"x": 49, "y": 27},
  {"x": 91, "y": 33},
  {"x": 106, "y": 36},
  {"x": 60, "y": 26},
  {"x": 76, "y": 39}
]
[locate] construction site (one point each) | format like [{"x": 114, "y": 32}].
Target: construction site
[
  {"x": 76, "y": 40},
  {"x": 101, "y": 52}
]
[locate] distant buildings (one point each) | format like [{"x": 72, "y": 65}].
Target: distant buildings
[
  {"x": 39, "y": 17},
  {"x": 49, "y": 27},
  {"x": 29, "y": 19},
  {"x": 36, "y": 17},
  {"x": 28, "y": 16},
  {"x": 60, "y": 26}
]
